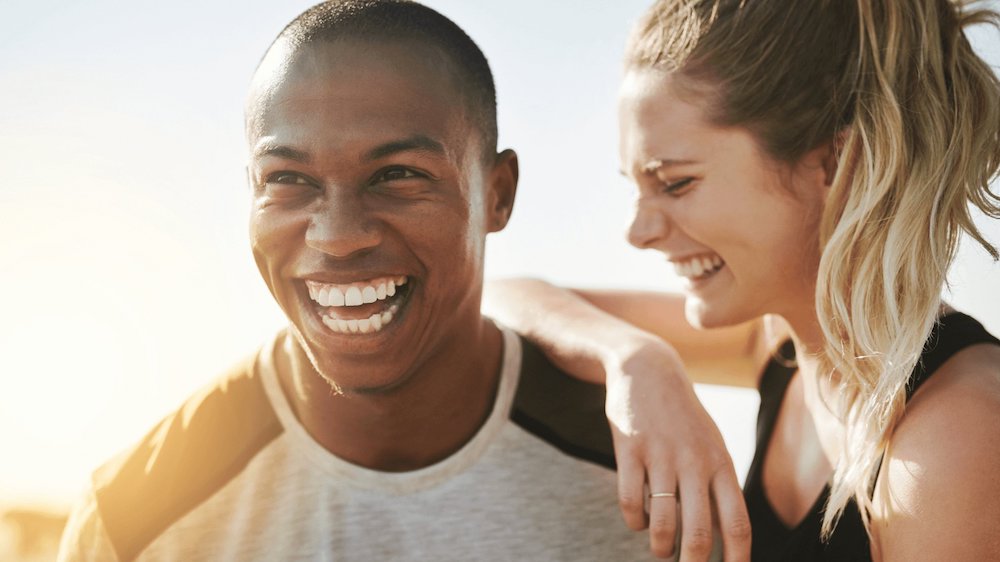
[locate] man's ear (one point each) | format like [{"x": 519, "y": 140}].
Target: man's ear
[{"x": 502, "y": 190}]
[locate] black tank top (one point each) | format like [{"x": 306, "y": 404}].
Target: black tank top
[{"x": 772, "y": 539}]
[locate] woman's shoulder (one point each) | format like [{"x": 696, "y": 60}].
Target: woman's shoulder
[
  {"x": 943, "y": 464},
  {"x": 955, "y": 407},
  {"x": 961, "y": 385}
]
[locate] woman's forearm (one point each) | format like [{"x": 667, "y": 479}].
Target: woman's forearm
[
  {"x": 576, "y": 335},
  {"x": 587, "y": 332}
]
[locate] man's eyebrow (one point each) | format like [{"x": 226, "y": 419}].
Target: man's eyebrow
[
  {"x": 420, "y": 143},
  {"x": 282, "y": 151}
]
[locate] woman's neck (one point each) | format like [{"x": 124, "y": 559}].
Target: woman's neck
[
  {"x": 820, "y": 394},
  {"x": 804, "y": 329}
]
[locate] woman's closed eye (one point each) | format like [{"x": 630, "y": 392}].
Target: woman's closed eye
[{"x": 677, "y": 187}]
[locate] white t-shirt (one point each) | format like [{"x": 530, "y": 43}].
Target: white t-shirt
[{"x": 233, "y": 475}]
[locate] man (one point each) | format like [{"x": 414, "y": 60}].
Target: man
[{"x": 391, "y": 420}]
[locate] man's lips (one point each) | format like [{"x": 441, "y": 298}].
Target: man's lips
[
  {"x": 360, "y": 307},
  {"x": 356, "y": 293}
]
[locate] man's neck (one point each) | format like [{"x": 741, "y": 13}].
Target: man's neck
[{"x": 429, "y": 417}]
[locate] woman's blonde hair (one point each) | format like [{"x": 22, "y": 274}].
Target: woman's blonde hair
[{"x": 914, "y": 115}]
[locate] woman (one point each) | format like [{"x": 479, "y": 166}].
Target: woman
[{"x": 807, "y": 168}]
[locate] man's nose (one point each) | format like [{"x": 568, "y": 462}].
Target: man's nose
[
  {"x": 343, "y": 224},
  {"x": 649, "y": 225}
]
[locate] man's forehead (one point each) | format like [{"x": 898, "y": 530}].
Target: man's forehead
[
  {"x": 397, "y": 80},
  {"x": 324, "y": 63},
  {"x": 351, "y": 97}
]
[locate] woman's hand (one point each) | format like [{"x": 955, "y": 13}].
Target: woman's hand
[
  {"x": 662, "y": 434},
  {"x": 663, "y": 437}
]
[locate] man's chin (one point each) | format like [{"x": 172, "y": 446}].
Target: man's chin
[
  {"x": 349, "y": 369},
  {"x": 363, "y": 375}
]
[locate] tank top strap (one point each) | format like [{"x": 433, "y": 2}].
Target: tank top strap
[
  {"x": 952, "y": 333},
  {"x": 772, "y": 386}
]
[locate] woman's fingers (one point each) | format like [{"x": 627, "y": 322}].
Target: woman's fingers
[
  {"x": 631, "y": 478},
  {"x": 663, "y": 434},
  {"x": 662, "y": 501},
  {"x": 734, "y": 522},
  {"x": 696, "y": 519}
]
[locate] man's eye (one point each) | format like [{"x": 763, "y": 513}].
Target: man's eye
[
  {"x": 395, "y": 173},
  {"x": 286, "y": 185},
  {"x": 286, "y": 178}
]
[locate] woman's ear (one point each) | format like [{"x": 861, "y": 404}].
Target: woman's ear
[
  {"x": 831, "y": 158},
  {"x": 821, "y": 163}
]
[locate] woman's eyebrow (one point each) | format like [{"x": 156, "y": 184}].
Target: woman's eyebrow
[{"x": 659, "y": 163}]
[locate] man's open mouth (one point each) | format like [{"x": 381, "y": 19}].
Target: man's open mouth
[{"x": 362, "y": 307}]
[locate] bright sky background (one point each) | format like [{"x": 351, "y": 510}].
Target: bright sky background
[{"x": 126, "y": 275}]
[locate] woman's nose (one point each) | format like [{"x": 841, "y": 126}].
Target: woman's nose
[{"x": 649, "y": 225}]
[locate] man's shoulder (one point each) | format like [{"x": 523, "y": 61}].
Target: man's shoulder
[
  {"x": 563, "y": 411},
  {"x": 185, "y": 458}
]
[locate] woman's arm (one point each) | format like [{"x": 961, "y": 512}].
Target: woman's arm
[
  {"x": 583, "y": 330},
  {"x": 663, "y": 436},
  {"x": 938, "y": 494},
  {"x": 731, "y": 356}
]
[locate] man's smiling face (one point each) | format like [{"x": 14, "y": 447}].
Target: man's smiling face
[{"x": 371, "y": 202}]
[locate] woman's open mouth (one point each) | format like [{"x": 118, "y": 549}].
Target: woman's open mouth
[{"x": 699, "y": 267}]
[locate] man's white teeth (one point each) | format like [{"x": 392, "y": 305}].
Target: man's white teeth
[
  {"x": 354, "y": 294},
  {"x": 372, "y": 324},
  {"x": 369, "y": 295},
  {"x": 332, "y": 296},
  {"x": 698, "y": 266},
  {"x": 352, "y": 297}
]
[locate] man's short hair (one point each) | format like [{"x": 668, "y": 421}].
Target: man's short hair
[{"x": 404, "y": 19}]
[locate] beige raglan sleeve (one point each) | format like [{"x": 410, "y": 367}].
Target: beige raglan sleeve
[{"x": 84, "y": 539}]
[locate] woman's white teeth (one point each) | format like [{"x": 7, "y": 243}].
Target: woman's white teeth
[
  {"x": 699, "y": 266},
  {"x": 354, "y": 294},
  {"x": 372, "y": 324}
]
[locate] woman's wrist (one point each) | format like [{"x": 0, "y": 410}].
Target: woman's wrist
[{"x": 639, "y": 353}]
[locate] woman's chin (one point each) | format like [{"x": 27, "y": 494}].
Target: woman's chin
[{"x": 705, "y": 315}]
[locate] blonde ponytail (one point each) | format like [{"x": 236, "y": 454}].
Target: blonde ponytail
[{"x": 923, "y": 145}]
